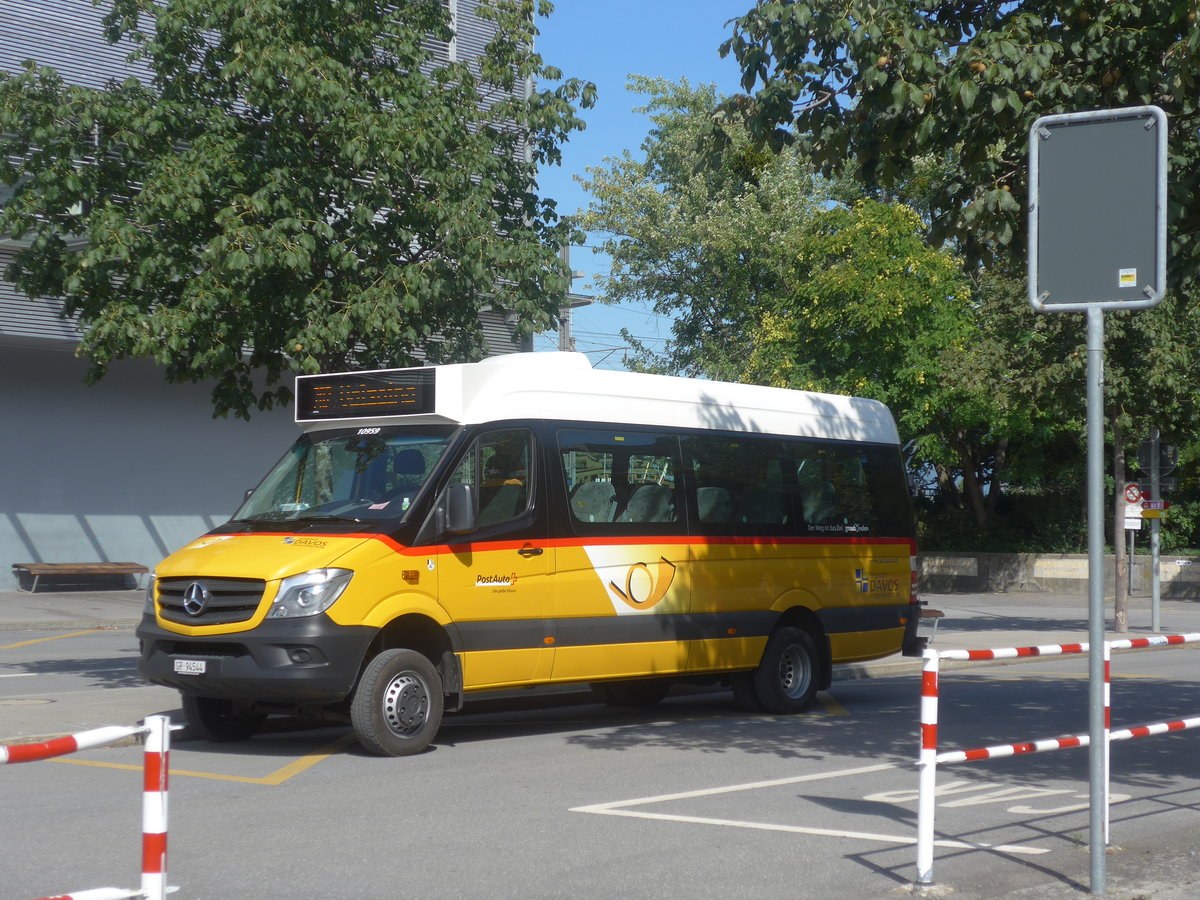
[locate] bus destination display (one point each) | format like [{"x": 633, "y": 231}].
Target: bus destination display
[{"x": 353, "y": 395}]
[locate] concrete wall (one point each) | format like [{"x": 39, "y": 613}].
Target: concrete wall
[
  {"x": 127, "y": 470},
  {"x": 1179, "y": 577}
]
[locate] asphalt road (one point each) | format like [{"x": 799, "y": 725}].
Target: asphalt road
[{"x": 565, "y": 797}]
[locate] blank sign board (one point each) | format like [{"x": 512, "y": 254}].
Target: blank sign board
[{"x": 1097, "y": 221}]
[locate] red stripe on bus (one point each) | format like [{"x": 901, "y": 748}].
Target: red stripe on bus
[{"x": 605, "y": 540}]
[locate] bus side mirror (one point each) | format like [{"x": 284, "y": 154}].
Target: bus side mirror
[{"x": 459, "y": 510}]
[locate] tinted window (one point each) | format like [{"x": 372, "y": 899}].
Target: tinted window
[
  {"x": 852, "y": 489},
  {"x": 740, "y": 485},
  {"x": 616, "y": 480}
]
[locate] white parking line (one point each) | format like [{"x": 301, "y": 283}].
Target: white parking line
[{"x": 625, "y": 808}]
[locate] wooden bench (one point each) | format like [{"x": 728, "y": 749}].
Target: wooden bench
[
  {"x": 53, "y": 570},
  {"x": 936, "y": 615}
]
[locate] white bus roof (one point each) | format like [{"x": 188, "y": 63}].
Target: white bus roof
[{"x": 564, "y": 386}]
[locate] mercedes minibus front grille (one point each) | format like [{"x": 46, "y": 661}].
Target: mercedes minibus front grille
[{"x": 209, "y": 601}]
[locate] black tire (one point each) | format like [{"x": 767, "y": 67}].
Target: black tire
[
  {"x": 786, "y": 679},
  {"x": 642, "y": 693},
  {"x": 743, "y": 692},
  {"x": 397, "y": 706},
  {"x": 222, "y": 721}
]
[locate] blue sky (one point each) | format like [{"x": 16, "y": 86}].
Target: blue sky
[{"x": 604, "y": 41}]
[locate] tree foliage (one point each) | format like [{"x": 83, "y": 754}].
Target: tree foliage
[
  {"x": 875, "y": 90},
  {"x": 694, "y": 242},
  {"x": 301, "y": 186},
  {"x": 869, "y": 86},
  {"x": 776, "y": 276}
]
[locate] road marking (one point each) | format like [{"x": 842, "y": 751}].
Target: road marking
[
  {"x": 624, "y": 808},
  {"x": 831, "y": 705},
  {"x": 18, "y": 674},
  {"x": 56, "y": 637},
  {"x": 279, "y": 776}
]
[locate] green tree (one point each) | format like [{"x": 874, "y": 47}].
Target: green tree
[
  {"x": 869, "y": 87},
  {"x": 300, "y": 186},
  {"x": 696, "y": 243},
  {"x": 776, "y": 276}
]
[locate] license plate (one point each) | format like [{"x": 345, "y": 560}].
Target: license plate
[{"x": 190, "y": 666}]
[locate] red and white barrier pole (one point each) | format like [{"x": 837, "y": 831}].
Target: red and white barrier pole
[
  {"x": 930, "y": 758},
  {"x": 154, "y": 808},
  {"x": 85, "y": 740},
  {"x": 928, "y": 766},
  {"x": 154, "y": 797}
]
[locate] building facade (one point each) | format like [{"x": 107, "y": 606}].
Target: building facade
[{"x": 131, "y": 468}]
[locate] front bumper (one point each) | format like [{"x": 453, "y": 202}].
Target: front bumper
[{"x": 307, "y": 660}]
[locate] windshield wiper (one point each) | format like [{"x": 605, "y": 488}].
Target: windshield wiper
[
  {"x": 263, "y": 517},
  {"x": 325, "y": 517}
]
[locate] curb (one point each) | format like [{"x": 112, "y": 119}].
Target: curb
[{"x": 82, "y": 625}]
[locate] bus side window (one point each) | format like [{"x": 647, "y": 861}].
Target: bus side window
[
  {"x": 498, "y": 464},
  {"x": 620, "y": 479},
  {"x": 739, "y": 482},
  {"x": 835, "y": 495}
]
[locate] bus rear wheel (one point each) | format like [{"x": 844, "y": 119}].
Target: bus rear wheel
[
  {"x": 397, "y": 707},
  {"x": 785, "y": 681},
  {"x": 221, "y": 721}
]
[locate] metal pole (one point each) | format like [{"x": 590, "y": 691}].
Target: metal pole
[
  {"x": 1155, "y": 494},
  {"x": 1129, "y": 566},
  {"x": 1098, "y": 789},
  {"x": 566, "y": 342}
]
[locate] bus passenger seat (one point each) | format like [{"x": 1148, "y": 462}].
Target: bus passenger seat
[
  {"x": 714, "y": 504},
  {"x": 820, "y": 504},
  {"x": 763, "y": 507},
  {"x": 649, "y": 503},
  {"x": 594, "y": 501}
]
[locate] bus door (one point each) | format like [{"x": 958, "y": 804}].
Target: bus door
[
  {"x": 495, "y": 581},
  {"x": 745, "y": 555},
  {"x": 621, "y": 591}
]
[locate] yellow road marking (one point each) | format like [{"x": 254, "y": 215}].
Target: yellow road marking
[
  {"x": 279, "y": 776},
  {"x": 831, "y": 706},
  {"x": 54, "y": 638}
]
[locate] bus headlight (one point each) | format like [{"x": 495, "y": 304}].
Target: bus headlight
[
  {"x": 309, "y": 593},
  {"x": 148, "y": 608}
]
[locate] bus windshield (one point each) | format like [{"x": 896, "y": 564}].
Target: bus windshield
[{"x": 357, "y": 474}]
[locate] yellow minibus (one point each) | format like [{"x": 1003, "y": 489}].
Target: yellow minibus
[{"x": 441, "y": 532}]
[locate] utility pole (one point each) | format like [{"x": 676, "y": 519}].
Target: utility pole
[{"x": 566, "y": 341}]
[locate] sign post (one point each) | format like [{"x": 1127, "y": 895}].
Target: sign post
[{"x": 1097, "y": 241}]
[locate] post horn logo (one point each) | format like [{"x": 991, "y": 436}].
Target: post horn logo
[{"x": 649, "y": 589}]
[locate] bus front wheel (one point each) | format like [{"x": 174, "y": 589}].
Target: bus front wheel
[
  {"x": 221, "y": 721},
  {"x": 397, "y": 707},
  {"x": 785, "y": 681}
]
